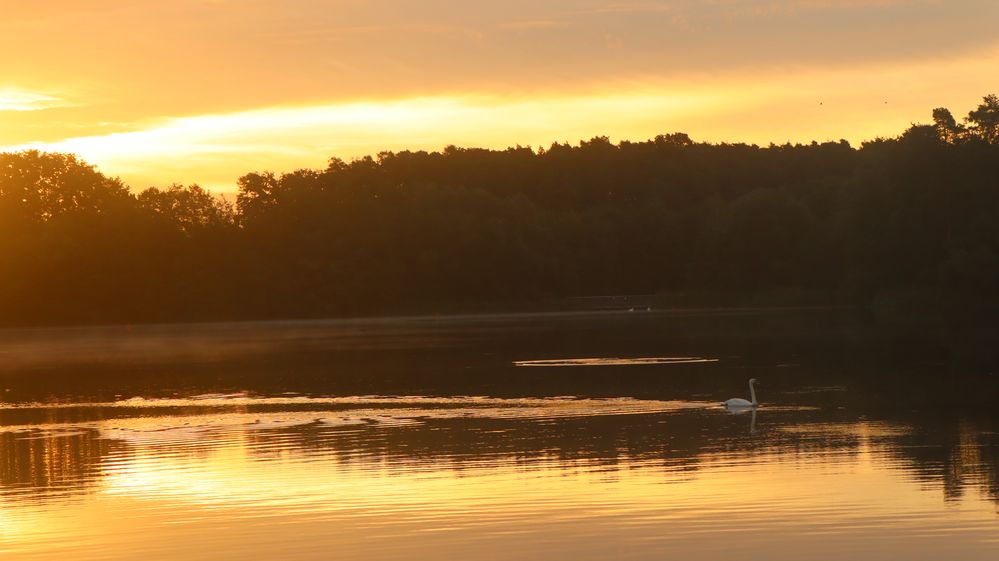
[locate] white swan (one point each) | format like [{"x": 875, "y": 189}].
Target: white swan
[{"x": 739, "y": 403}]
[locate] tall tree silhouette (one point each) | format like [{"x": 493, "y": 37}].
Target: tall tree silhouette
[{"x": 984, "y": 119}]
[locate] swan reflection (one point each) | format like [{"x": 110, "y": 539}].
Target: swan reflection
[{"x": 751, "y": 411}]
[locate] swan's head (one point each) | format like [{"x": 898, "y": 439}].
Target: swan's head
[{"x": 752, "y": 380}]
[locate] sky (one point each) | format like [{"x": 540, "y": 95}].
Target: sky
[{"x": 204, "y": 91}]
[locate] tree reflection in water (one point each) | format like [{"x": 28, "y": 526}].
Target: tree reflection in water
[{"x": 55, "y": 458}]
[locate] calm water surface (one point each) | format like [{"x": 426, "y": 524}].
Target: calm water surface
[{"x": 499, "y": 438}]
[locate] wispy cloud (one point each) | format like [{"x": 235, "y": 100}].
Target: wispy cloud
[
  {"x": 787, "y": 7},
  {"x": 214, "y": 149},
  {"x": 536, "y": 24},
  {"x": 630, "y": 8},
  {"x": 333, "y": 32},
  {"x": 12, "y": 99}
]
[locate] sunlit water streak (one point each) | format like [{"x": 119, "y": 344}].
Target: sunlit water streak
[
  {"x": 243, "y": 399},
  {"x": 475, "y": 478},
  {"x": 615, "y": 361}
]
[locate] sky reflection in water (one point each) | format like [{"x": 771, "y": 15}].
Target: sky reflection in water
[
  {"x": 379, "y": 455},
  {"x": 431, "y": 478}
]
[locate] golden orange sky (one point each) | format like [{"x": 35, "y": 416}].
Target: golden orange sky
[{"x": 207, "y": 90}]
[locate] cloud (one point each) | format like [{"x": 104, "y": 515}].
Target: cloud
[
  {"x": 630, "y": 8},
  {"x": 12, "y": 99},
  {"x": 791, "y": 7},
  {"x": 536, "y": 24},
  {"x": 214, "y": 149}
]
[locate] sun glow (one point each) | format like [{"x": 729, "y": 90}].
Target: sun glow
[
  {"x": 856, "y": 102},
  {"x": 215, "y": 149}
]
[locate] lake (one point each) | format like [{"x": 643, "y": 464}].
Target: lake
[{"x": 548, "y": 436}]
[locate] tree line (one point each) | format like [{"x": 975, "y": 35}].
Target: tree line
[{"x": 905, "y": 224}]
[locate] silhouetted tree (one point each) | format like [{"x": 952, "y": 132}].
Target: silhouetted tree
[
  {"x": 946, "y": 126},
  {"x": 190, "y": 208},
  {"x": 984, "y": 120},
  {"x": 39, "y": 186}
]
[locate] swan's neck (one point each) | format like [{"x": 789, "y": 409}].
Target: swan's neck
[{"x": 752, "y": 393}]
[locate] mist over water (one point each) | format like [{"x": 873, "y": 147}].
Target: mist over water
[{"x": 428, "y": 438}]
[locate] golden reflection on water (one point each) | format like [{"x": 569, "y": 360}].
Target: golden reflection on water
[{"x": 474, "y": 478}]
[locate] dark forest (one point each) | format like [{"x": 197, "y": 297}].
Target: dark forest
[{"x": 906, "y": 227}]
